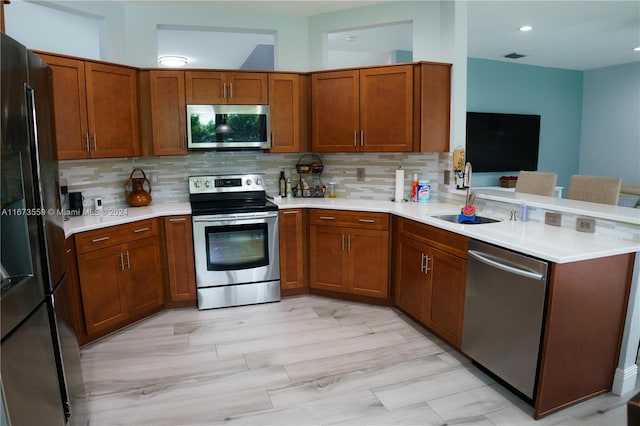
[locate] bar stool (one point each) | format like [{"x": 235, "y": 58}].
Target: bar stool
[
  {"x": 537, "y": 183},
  {"x": 596, "y": 189}
]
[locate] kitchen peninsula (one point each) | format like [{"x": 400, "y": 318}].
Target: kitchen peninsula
[{"x": 574, "y": 257}]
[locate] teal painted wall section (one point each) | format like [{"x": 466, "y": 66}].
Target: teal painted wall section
[
  {"x": 401, "y": 56},
  {"x": 555, "y": 94}
]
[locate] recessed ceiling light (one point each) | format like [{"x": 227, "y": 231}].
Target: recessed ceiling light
[
  {"x": 526, "y": 28},
  {"x": 350, "y": 38},
  {"x": 172, "y": 61},
  {"x": 636, "y": 49}
]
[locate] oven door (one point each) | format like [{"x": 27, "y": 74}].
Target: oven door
[{"x": 236, "y": 249}]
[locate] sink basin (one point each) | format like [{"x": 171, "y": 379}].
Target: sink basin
[{"x": 454, "y": 218}]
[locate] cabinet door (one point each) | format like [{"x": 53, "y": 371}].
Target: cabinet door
[
  {"x": 434, "y": 105},
  {"x": 103, "y": 286},
  {"x": 168, "y": 112},
  {"x": 411, "y": 281},
  {"x": 112, "y": 109},
  {"x": 335, "y": 111},
  {"x": 179, "y": 252},
  {"x": 143, "y": 259},
  {"x": 70, "y": 106},
  {"x": 247, "y": 88},
  {"x": 205, "y": 87},
  {"x": 288, "y": 110},
  {"x": 444, "y": 301},
  {"x": 69, "y": 301},
  {"x": 368, "y": 253},
  {"x": 327, "y": 259},
  {"x": 293, "y": 250},
  {"x": 386, "y": 109}
]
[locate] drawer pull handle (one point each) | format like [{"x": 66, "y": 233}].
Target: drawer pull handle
[
  {"x": 290, "y": 212},
  {"x": 367, "y": 220},
  {"x": 141, "y": 230},
  {"x": 97, "y": 240},
  {"x": 68, "y": 250},
  {"x": 327, "y": 218},
  {"x": 183, "y": 219}
]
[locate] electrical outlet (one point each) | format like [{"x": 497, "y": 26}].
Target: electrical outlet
[
  {"x": 360, "y": 174},
  {"x": 584, "y": 224},
  {"x": 553, "y": 218}
]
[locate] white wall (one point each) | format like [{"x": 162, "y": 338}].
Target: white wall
[{"x": 610, "y": 143}]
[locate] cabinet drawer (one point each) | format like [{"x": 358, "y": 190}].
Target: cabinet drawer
[
  {"x": 449, "y": 242},
  {"x": 112, "y": 235},
  {"x": 352, "y": 219}
]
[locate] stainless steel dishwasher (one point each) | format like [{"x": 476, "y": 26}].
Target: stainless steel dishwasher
[{"x": 503, "y": 312}]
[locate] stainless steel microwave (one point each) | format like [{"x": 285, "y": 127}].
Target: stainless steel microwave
[{"x": 228, "y": 126}]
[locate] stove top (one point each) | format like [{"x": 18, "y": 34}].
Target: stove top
[{"x": 227, "y": 194}]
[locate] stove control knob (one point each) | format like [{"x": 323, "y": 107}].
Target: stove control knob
[
  {"x": 258, "y": 181},
  {"x": 207, "y": 183},
  {"x": 248, "y": 182},
  {"x": 197, "y": 184}
]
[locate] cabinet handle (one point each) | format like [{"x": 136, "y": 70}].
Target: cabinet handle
[
  {"x": 121, "y": 262},
  {"x": 367, "y": 220},
  {"x": 290, "y": 212},
  {"x": 95, "y": 142},
  {"x": 355, "y": 138},
  {"x": 342, "y": 238},
  {"x": 86, "y": 142},
  {"x": 327, "y": 218},
  {"x": 128, "y": 260},
  {"x": 97, "y": 240},
  {"x": 230, "y": 90},
  {"x": 141, "y": 230},
  {"x": 180, "y": 219},
  {"x": 224, "y": 90},
  {"x": 348, "y": 242},
  {"x": 68, "y": 250},
  {"x": 361, "y": 137},
  {"x": 424, "y": 264}
]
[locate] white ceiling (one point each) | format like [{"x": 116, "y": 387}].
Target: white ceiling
[{"x": 576, "y": 34}]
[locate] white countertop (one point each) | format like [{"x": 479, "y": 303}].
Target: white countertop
[{"x": 555, "y": 244}]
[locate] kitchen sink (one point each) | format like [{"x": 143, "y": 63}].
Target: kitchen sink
[{"x": 454, "y": 218}]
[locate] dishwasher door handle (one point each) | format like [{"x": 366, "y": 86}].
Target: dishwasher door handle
[{"x": 517, "y": 271}]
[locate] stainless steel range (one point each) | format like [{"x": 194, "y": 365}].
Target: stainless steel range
[{"x": 235, "y": 238}]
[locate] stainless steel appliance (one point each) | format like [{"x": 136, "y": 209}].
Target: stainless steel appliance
[
  {"x": 503, "y": 313},
  {"x": 228, "y": 126},
  {"x": 40, "y": 365},
  {"x": 235, "y": 238}
]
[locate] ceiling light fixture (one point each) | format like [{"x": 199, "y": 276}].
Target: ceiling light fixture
[
  {"x": 526, "y": 28},
  {"x": 350, "y": 38},
  {"x": 636, "y": 49},
  {"x": 172, "y": 61}
]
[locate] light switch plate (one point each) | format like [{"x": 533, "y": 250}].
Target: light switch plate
[
  {"x": 584, "y": 224},
  {"x": 553, "y": 218}
]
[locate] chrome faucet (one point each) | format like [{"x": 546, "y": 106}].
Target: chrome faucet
[{"x": 467, "y": 175}]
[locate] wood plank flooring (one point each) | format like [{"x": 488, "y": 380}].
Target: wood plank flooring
[{"x": 304, "y": 361}]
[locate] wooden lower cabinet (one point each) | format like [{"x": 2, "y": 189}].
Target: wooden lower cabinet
[
  {"x": 181, "y": 274},
  {"x": 292, "y": 227},
  {"x": 120, "y": 283},
  {"x": 69, "y": 299},
  {"x": 347, "y": 255},
  {"x": 430, "y": 282}
]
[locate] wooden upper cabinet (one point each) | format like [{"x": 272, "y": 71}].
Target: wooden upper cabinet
[
  {"x": 112, "y": 109},
  {"x": 70, "y": 107},
  {"x": 368, "y": 110},
  {"x": 386, "y": 109},
  {"x": 335, "y": 111},
  {"x": 95, "y": 108},
  {"x": 162, "y": 112},
  {"x": 289, "y": 112},
  {"x": 432, "y": 107},
  {"x": 214, "y": 87}
]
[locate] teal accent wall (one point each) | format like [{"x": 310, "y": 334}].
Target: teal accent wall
[
  {"x": 555, "y": 94},
  {"x": 401, "y": 56}
]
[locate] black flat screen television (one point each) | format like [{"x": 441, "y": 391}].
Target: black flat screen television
[{"x": 502, "y": 142}]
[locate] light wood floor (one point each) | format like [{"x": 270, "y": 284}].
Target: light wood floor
[{"x": 303, "y": 361}]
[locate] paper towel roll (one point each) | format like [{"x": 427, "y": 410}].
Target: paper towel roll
[{"x": 399, "y": 193}]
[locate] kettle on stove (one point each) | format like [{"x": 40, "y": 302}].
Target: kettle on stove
[{"x": 138, "y": 197}]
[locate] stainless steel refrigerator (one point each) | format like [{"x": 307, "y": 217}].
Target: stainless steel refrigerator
[{"x": 40, "y": 376}]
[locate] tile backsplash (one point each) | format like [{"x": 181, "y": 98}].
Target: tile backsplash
[{"x": 106, "y": 178}]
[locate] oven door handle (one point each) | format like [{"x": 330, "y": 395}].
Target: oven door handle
[{"x": 227, "y": 218}]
